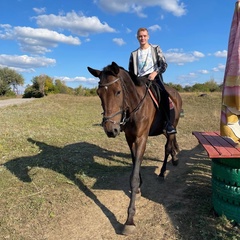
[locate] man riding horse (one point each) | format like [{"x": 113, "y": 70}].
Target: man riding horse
[{"x": 148, "y": 61}]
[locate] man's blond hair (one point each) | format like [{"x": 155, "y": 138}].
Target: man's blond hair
[{"x": 141, "y": 30}]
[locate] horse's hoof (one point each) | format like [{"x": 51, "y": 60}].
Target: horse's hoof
[
  {"x": 138, "y": 196},
  {"x": 175, "y": 163},
  {"x": 129, "y": 230},
  {"x": 161, "y": 177}
]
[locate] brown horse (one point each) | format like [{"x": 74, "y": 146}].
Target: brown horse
[{"x": 127, "y": 106}]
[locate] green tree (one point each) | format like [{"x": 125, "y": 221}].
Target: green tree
[
  {"x": 93, "y": 92},
  {"x": 4, "y": 87},
  {"x": 178, "y": 87},
  {"x": 31, "y": 91},
  {"x": 212, "y": 86},
  {"x": 187, "y": 88},
  {"x": 60, "y": 87},
  {"x": 49, "y": 86},
  {"x": 80, "y": 91},
  {"x": 9, "y": 81},
  {"x": 37, "y": 89},
  {"x": 199, "y": 87}
]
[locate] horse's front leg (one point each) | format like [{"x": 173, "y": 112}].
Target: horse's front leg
[
  {"x": 132, "y": 174},
  {"x": 137, "y": 151}
]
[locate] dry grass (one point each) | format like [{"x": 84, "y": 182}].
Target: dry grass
[{"x": 53, "y": 150}]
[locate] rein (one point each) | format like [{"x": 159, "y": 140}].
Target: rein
[
  {"x": 141, "y": 102},
  {"x": 123, "y": 112}
]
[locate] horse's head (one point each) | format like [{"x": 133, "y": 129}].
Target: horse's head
[{"x": 110, "y": 92}]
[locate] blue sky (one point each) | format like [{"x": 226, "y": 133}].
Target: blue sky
[{"x": 61, "y": 38}]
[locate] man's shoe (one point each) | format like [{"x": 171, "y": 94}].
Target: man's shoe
[{"x": 170, "y": 129}]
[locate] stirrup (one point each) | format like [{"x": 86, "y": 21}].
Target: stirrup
[{"x": 170, "y": 129}]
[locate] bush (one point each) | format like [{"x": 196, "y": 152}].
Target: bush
[
  {"x": 10, "y": 93},
  {"x": 32, "y": 92}
]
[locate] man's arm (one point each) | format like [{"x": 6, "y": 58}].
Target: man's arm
[{"x": 161, "y": 61}]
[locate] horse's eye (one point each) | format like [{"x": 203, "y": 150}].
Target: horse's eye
[{"x": 118, "y": 93}]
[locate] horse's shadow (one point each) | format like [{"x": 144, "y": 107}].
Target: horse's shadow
[
  {"x": 80, "y": 158},
  {"x": 75, "y": 159}
]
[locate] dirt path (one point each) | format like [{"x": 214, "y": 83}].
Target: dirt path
[
  {"x": 14, "y": 101},
  {"x": 167, "y": 210}
]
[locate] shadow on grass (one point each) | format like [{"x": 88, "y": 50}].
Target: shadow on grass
[
  {"x": 185, "y": 193},
  {"x": 71, "y": 161}
]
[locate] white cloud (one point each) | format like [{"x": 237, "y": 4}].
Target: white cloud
[
  {"x": 191, "y": 74},
  {"x": 44, "y": 35},
  {"x": 173, "y": 6},
  {"x": 137, "y": 6},
  {"x": 138, "y": 10},
  {"x": 193, "y": 77},
  {"x": 203, "y": 71},
  {"x": 154, "y": 28},
  {"x": 179, "y": 57},
  {"x": 220, "y": 67},
  {"x": 119, "y": 41},
  {"x": 37, "y": 40},
  {"x": 198, "y": 54},
  {"x": 24, "y": 63},
  {"x": 222, "y": 54},
  {"x": 128, "y": 30},
  {"x": 39, "y": 10},
  {"x": 74, "y": 23},
  {"x": 188, "y": 76},
  {"x": 78, "y": 79}
]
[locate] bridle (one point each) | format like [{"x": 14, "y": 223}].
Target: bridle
[
  {"x": 123, "y": 112},
  {"x": 124, "y": 118},
  {"x": 109, "y": 83}
]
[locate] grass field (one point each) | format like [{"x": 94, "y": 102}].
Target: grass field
[{"x": 62, "y": 178}]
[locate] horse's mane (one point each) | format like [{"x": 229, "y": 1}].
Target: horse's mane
[{"x": 138, "y": 81}]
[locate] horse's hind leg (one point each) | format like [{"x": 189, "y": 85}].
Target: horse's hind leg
[
  {"x": 164, "y": 166},
  {"x": 175, "y": 150},
  {"x": 171, "y": 148},
  {"x": 168, "y": 151}
]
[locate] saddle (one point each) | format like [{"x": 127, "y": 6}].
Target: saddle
[{"x": 154, "y": 91}]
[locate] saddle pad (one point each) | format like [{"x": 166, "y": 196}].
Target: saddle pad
[{"x": 171, "y": 104}]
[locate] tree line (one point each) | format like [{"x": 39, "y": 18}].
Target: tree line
[{"x": 44, "y": 85}]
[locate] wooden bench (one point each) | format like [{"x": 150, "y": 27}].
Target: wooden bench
[
  {"x": 225, "y": 173},
  {"x": 217, "y": 146}
]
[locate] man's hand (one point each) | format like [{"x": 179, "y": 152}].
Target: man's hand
[{"x": 152, "y": 75}]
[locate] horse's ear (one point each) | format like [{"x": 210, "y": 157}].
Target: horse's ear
[
  {"x": 115, "y": 68},
  {"x": 94, "y": 72}
]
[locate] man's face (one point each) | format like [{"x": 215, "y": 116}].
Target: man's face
[{"x": 143, "y": 37}]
